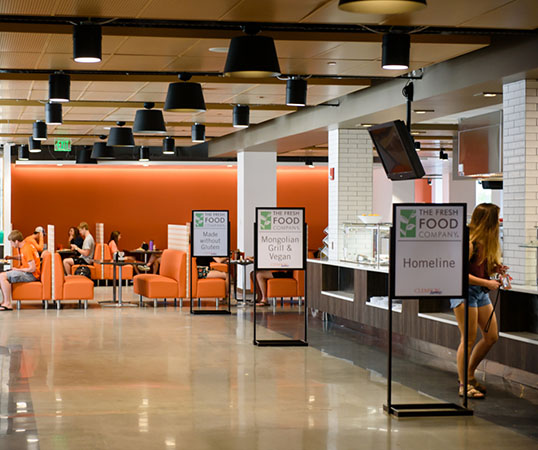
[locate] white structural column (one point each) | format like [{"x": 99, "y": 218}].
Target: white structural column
[
  {"x": 6, "y": 196},
  {"x": 256, "y": 187},
  {"x": 350, "y": 192},
  {"x": 520, "y": 177}
]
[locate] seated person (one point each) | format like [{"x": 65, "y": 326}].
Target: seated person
[
  {"x": 36, "y": 239},
  {"x": 75, "y": 237},
  {"x": 115, "y": 237},
  {"x": 261, "y": 279},
  {"x": 29, "y": 270},
  {"x": 205, "y": 271},
  {"x": 86, "y": 252}
]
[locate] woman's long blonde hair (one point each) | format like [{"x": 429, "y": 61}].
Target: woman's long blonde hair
[{"x": 484, "y": 231}]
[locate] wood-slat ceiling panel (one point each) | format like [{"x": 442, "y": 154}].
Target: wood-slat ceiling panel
[
  {"x": 14, "y": 93},
  {"x": 128, "y": 62},
  {"x": 29, "y": 7},
  {"x": 273, "y": 11},
  {"x": 22, "y": 42},
  {"x": 189, "y": 10},
  {"x": 202, "y": 63},
  {"x": 154, "y": 46},
  {"x": 100, "y": 8},
  {"x": 518, "y": 14},
  {"x": 63, "y": 44},
  {"x": 18, "y": 60}
]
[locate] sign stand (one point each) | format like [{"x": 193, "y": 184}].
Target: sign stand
[
  {"x": 416, "y": 244},
  {"x": 280, "y": 236},
  {"x": 210, "y": 237}
]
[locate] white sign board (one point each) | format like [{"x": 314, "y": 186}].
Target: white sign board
[
  {"x": 429, "y": 250},
  {"x": 210, "y": 233},
  {"x": 280, "y": 238}
]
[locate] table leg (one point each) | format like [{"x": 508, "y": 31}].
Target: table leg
[
  {"x": 245, "y": 283},
  {"x": 119, "y": 287},
  {"x": 114, "y": 284}
]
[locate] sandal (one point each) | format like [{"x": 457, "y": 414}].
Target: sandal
[
  {"x": 471, "y": 392},
  {"x": 478, "y": 386},
  {"x": 262, "y": 304}
]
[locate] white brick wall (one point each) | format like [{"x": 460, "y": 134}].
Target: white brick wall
[
  {"x": 350, "y": 193},
  {"x": 520, "y": 176}
]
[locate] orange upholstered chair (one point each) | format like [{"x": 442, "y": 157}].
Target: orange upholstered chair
[
  {"x": 207, "y": 287},
  {"x": 106, "y": 272},
  {"x": 71, "y": 287},
  {"x": 35, "y": 290},
  {"x": 287, "y": 287},
  {"x": 171, "y": 283}
]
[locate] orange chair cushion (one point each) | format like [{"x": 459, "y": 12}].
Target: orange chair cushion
[
  {"x": 281, "y": 287},
  {"x": 221, "y": 267},
  {"x": 155, "y": 286},
  {"x": 27, "y": 291},
  {"x": 211, "y": 288},
  {"x": 77, "y": 287}
]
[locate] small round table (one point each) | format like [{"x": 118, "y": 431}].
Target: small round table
[
  {"x": 114, "y": 264},
  {"x": 244, "y": 263}
]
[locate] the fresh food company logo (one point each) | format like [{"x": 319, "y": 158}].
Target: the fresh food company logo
[
  {"x": 408, "y": 223},
  {"x": 265, "y": 220},
  {"x": 198, "y": 220}
]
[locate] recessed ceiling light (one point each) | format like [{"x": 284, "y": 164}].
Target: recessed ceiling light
[
  {"x": 423, "y": 111},
  {"x": 219, "y": 49},
  {"x": 364, "y": 125},
  {"x": 331, "y": 63},
  {"x": 487, "y": 94}
]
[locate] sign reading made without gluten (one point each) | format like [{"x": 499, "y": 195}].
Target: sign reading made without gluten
[
  {"x": 429, "y": 250},
  {"x": 280, "y": 238},
  {"x": 210, "y": 233}
]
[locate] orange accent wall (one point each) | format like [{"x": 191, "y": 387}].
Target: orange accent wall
[
  {"x": 141, "y": 201},
  {"x": 423, "y": 191}
]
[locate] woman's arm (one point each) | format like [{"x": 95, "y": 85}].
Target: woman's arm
[{"x": 490, "y": 284}]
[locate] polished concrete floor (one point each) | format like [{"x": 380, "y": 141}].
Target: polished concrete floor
[{"x": 145, "y": 378}]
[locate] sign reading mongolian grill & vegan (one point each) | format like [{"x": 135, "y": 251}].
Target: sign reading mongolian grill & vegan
[
  {"x": 429, "y": 250},
  {"x": 280, "y": 238},
  {"x": 210, "y": 233}
]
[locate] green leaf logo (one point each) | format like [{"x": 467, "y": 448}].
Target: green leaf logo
[
  {"x": 198, "y": 220},
  {"x": 408, "y": 223},
  {"x": 265, "y": 220}
]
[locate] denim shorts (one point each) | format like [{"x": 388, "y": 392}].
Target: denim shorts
[
  {"x": 477, "y": 298},
  {"x": 16, "y": 276}
]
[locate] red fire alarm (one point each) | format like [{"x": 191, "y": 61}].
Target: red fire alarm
[{"x": 331, "y": 173}]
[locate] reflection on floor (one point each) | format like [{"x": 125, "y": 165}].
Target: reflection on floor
[{"x": 145, "y": 378}]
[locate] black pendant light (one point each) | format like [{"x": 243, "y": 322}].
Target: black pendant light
[
  {"x": 24, "y": 154},
  {"x": 40, "y": 130},
  {"x": 149, "y": 120},
  {"x": 184, "y": 96},
  {"x": 83, "y": 155},
  {"x": 396, "y": 51},
  {"x": 102, "y": 151},
  {"x": 59, "y": 87},
  {"x": 53, "y": 114},
  {"x": 120, "y": 136},
  {"x": 169, "y": 146},
  {"x": 198, "y": 132},
  {"x": 241, "y": 116},
  {"x": 87, "y": 43},
  {"x": 143, "y": 154},
  {"x": 252, "y": 56},
  {"x": 296, "y": 91},
  {"x": 381, "y": 6},
  {"x": 33, "y": 145}
]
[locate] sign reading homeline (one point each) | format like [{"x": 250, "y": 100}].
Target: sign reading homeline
[
  {"x": 429, "y": 250},
  {"x": 210, "y": 232},
  {"x": 280, "y": 238}
]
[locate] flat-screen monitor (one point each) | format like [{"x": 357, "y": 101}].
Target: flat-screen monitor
[{"x": 396, "y": 149}]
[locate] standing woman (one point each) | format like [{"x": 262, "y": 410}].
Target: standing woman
[{"x": 484, "y": 261}]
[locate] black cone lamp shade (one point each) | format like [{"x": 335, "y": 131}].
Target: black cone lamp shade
[
  {"x": 241, "y": 116},
  {"x": 83, "y": 155},
  {"x": 296, "y": 92},
  {"x": 102, "y": 151},
  {"x": 396, "y": 51},
  {"x": 198, "y": 132},
  {"x": 121, "y": 136},
  {"x": 149, "y": 120},
  {"x": 40, "y": 130},
  {"x": 184, "y": 96},
  {"x": 33, "y": 145},
  {"x": 381, "y": 6},
  {"x": 169, "y": 146},
  {"x": 87, "y": 43},
  {"x": 24, "y": 154},
  {"x": 59, "y": 87},
  {"x": 252, "y": 57},
  {"x": 53, "y": 113},
  {"x": 144, "y": 154}
]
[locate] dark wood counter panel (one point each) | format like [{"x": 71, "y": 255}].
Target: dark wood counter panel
[{"x": 426, "y": 325}]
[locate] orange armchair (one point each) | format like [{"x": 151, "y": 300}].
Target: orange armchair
[
  {"x": 171, "y": 283},
  {"x": 207, "y": 287},
  {"x": 287, "y": 287},
  {"x": 105, "y": 272},
  {"x": 71, "y": 287},
  {"x": 36, "y": 290}
]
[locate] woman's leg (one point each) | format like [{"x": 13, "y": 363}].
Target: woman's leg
[
  {"x": 488, "y": 338},
  {"x": 459, "y": 312},
  {"x": 261, "y": 277}
]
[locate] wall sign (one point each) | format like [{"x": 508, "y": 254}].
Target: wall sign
[
  {"x": 280, "y": 238},
  {"x": 210, "y": 233},
  {"x": 429, "y": 258}
]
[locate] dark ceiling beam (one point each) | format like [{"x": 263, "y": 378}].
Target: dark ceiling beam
[{"x": 112, "y": 123}]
